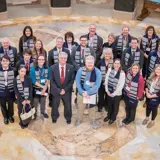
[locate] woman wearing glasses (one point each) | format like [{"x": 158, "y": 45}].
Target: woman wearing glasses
[{"x": 39, "y": 74}]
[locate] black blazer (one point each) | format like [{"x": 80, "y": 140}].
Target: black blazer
[
  {"x": 19, "y": 97},
  {"x": 51, "y": 59},
  {"x": 55, "y": 81}
]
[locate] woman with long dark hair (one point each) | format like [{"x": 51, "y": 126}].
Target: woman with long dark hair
[
  {"x": 27, "y": 40},
  {"x": 40, "y": 76},
  {"x": 23, "y": 91},
  {"x": 114, "y": 83},
  {"x": 153, "y": 96},
  {"x": 38, "y": 50}
]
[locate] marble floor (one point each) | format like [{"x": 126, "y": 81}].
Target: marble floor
[{"x": 44, "y": 140}]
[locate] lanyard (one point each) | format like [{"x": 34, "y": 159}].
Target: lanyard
[
  {"x": 149, "y": 43},
  {"x": 42, "y": 73}
]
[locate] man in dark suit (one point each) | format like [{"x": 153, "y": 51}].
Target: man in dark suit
[
  {"x": 62, "y": 79},
  {"x": 7, "y": 49},
  {"x": 53, "y": 55}
]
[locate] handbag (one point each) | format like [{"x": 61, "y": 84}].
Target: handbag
[{"x": 26, "y": 117}]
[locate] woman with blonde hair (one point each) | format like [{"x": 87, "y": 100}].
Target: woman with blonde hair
[
  {"x": 111, "y": 44},
  {"x": 38, "y": 50},
  {"x": 153, "y": 96},
  {"x": 133, "y": 92}
]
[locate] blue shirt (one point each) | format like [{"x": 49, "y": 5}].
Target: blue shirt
[
  {"x": 42, "y": 76},
  {"x": 86, "y": 87}
]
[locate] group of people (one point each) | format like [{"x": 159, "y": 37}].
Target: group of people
[{"x": 105, "y": 74}]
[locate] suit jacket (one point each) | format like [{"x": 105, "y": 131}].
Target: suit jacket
[
  {"x": 130, "y": 63},
  {"x": 21, "y": 62},
  {"x": 15, "y": 55},
  {"x": 19, "y": 97},
  {"x": 116, "y": 44},
  {"x": 21, "y": 45},
  {"x": 51, "y": 58},
  {"x": 55, "y": 80},
  {"x": 73, "y": 55},
  {"x": 98, "y": 50}
]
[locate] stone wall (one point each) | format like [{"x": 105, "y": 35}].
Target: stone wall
[
  {"x": 95, "y": 1},
  {"x": 22, "y": 2}
]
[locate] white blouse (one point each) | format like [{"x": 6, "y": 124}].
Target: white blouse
[{"x": 120, "y": 85}]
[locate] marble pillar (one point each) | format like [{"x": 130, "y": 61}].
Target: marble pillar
[
  {"x": 60, "y": 7},
  {"x": 125, "y": 10},
  {"x": 3, "y": 10}
]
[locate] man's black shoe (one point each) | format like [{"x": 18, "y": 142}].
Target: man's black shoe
[
  {"x": 6, "y": 121},
  {"x": 106, "y": 119}
]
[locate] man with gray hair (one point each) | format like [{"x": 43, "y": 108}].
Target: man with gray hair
[
  {"x": 53, "y": 57},
  {"x": 88, "y": 80},
  {"x": 123, "y": 41},
  {"x": 95, "y": 41},
  {"x": 7, "y": 49},
  {"x": 61, "y": 79},
  {"x": 53, "y": 53}
]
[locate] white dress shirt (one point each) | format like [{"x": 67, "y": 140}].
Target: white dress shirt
[
  {"x": 59, "y": 50},
  {"x": 5, "y": 77},
  {"x": 120, "y": 84}
]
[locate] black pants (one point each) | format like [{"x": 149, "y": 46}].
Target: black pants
[
  {"x": 154, "y": 111},
  {"x": 50, "y": 99},
  {"x": 66, "y": 99},
  {"x": 76, "y": 93},
  {"x": 7, "y": 110},
  {"x": 144, "y": 70},
  {"x": 20, "y": 107},
  {"x": 117, "y": 54},
  {"x": 130, "y": 111},
  {"x": 102, "y": 98},
  {"x": 113, "y": 107}
]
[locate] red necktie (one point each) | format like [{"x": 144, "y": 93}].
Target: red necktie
[
  {"x": 62, "y": 75},
  {"x": 27, "y": 67}
]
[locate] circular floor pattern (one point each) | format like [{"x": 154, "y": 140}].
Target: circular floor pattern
[{"x": 66, "y": 140}]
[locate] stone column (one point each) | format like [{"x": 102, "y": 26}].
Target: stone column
[
  {"x": 125, "y": 9},
  {"x": 60, "y": 7},
  {"x": 3, "y": 10}
]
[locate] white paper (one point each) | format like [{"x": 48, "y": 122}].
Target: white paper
[
  {"x": 39, "y": 93},
  {"x": 90, "y": 100}
]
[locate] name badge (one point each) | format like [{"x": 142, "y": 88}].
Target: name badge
[
  {"x": 43, "y": 80},
  {"x": 128, "y": 88},
  {"x": 148, "y": 49},
  {"x": 88, "y": 83}
]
